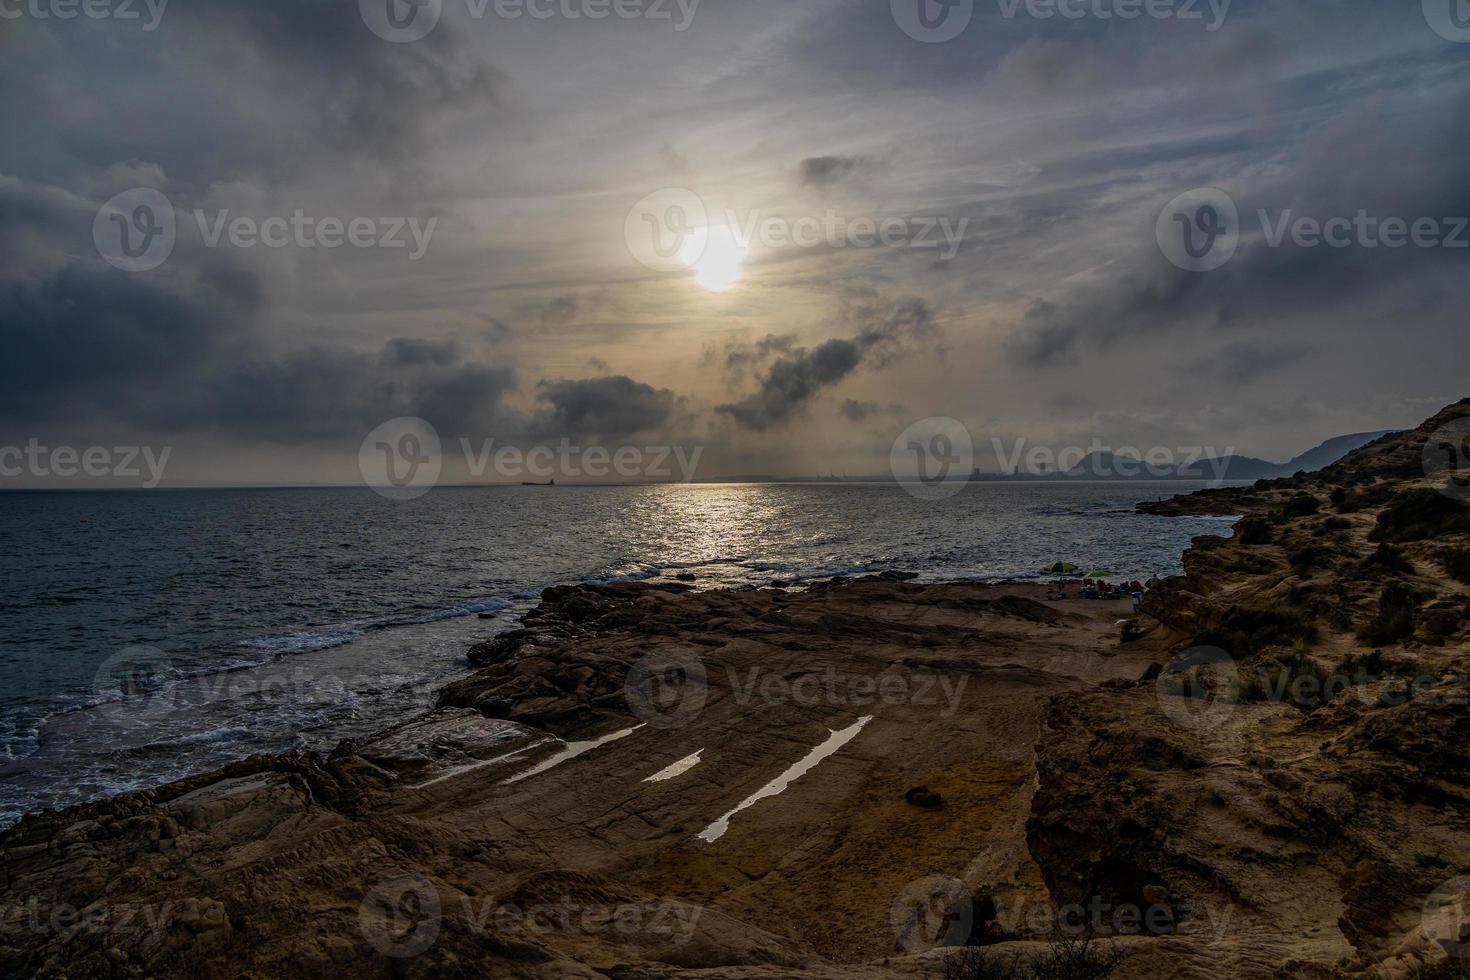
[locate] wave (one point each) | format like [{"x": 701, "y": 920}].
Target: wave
[{"x": 340, "y": 634}]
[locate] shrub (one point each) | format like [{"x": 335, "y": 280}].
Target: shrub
[
  {"x": 1456, "y": 563},
  {"x": 1298, "y": 681},
  {"x": 1250, "y": 565},
  {"x": 1066, "y": 959},
  {"x": 1246, "y": 632},
  {"x": 1348, "y": 502},
  {"x": 1446, "y": 969},
  {"x": 1337, "y": 524},
  {"x": 1374, "y": 664},
  {"x": 1419, "y": 515},
  {"x": 1254, "y": 530},
  {"x": 1301, "y": 505},
  {"x": 1395, "y": 619},
  {"x": 1303, "y": 560},
  {"x": 1391, "y": 558}
]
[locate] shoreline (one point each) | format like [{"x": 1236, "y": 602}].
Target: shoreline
[
  {"x": 1005, "y": 761},
  {"x": 278, "y": 653}
]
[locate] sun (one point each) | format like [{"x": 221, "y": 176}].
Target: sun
[{"x": 715, "y": 255}]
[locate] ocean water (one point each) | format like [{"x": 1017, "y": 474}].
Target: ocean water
[{"x": 146, "y": 636}]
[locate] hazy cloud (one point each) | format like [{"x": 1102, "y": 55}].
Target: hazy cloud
[
  {"x": 608, "y": 408},
  {"x": 821, "y": 171},
  {"x": 800, "y": 374}
]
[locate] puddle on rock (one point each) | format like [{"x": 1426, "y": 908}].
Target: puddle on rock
[
  {"x": 677, "y": 769},
  {"x": 778, "y": 785}
]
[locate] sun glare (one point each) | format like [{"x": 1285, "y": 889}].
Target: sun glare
[{"x": 715, "y": 256}]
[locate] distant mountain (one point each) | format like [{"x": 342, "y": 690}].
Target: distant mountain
[
  {"x": 1108, "y": 466},
  {"x": 1330, "y": 452}
]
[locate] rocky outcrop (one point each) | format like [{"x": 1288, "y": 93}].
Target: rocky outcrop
[
  {"x": 1271, "y": 779},
  {"x": 1321, "y": 796}
]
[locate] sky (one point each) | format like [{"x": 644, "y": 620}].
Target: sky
[{"x": 781, "y": 233}]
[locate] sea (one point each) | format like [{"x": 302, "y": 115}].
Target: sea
[{"x": 148, "y": 636}]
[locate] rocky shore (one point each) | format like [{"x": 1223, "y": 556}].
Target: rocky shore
[{"x": 1266, "y": 774}]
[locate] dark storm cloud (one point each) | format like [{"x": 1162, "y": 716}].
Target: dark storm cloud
[
  {"x": 885, "y": 329},
  {"x": 184, "y": 349},
  {"x": 821, "y": 171},
  {"x": 233, "y": 90},
  {"x": 85, "y": 340},
  {"x": 88, "y": 344},
  {"x": 409, "y": 352},
  {"x": 741, "y": 358},
  {"x": 607, "y": 408},
  {"x": 800, "y": 374},
  {"x": 793, "y": 381},
  {"x": 320, "y": 395}
]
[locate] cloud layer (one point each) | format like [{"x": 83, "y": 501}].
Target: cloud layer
[{"x": 528, "y": 318}]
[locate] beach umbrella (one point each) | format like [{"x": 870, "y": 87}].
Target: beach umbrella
[
  {"x": 1059, "y": 568},
  {"x": 1100, "y": 573}
]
